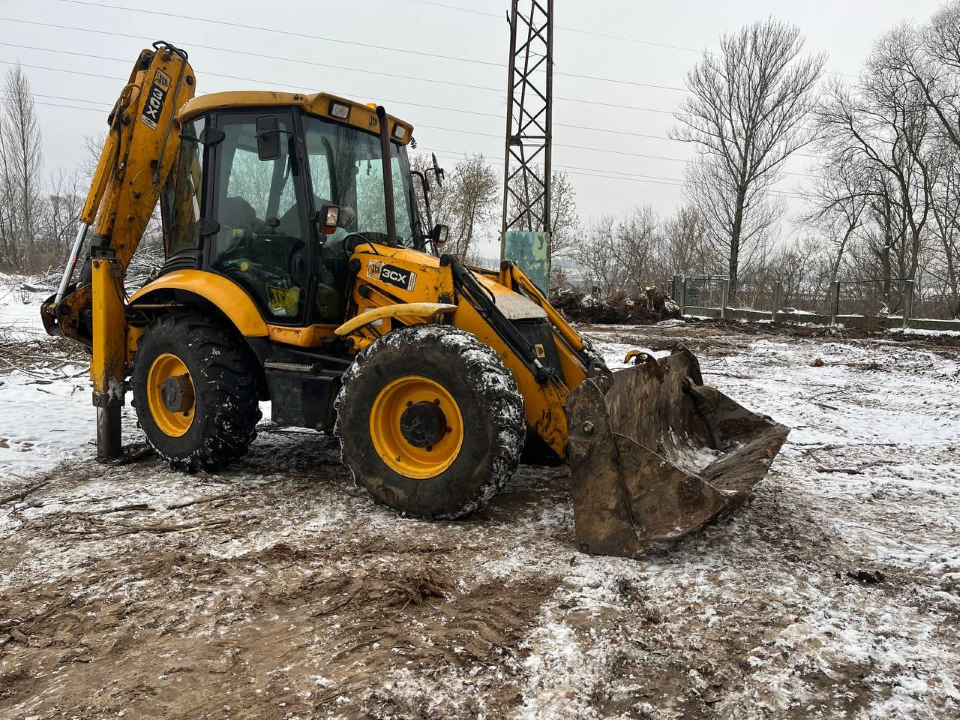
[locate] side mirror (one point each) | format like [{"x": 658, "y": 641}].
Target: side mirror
[
  {"x": 268, "y": 137},
  {"x": 328, "y": 218},
  {"x": 437, "y": 171},
  {"x": 439, "y": 235}
]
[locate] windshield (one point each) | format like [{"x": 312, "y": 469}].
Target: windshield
[{"x": 346, "y": 169}]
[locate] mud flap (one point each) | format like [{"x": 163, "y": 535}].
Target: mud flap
[{"x": 660, "y": 454}]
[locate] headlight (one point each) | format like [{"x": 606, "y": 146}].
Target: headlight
[{"x": 339, "y": 110}]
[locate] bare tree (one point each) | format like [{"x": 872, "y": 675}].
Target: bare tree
[
  {"x": 441, "y": 194},
  {"x": 596, "y": 254},
  {"x": 564, "y": 218},
  {"x": 945, "y": 208},
  {"x": 21, "y": 171},
  {"x": 800, "y": 270},
  {"x": 636, "y": 244},
  {"x": 93, "y": 147},
  {"x": 883, "y": 125},
  {"x": 929, "y": 58},
  {"x": 618, "y": 254},
  {"x": 61, "y": 213},
  {"x": 681, "y": 247},
  {"x": 838, "y": 202},
  {"x": 942, "y": 47},
  {"x": 474, "y": 186},
  {"x": 745, "y": 116}
]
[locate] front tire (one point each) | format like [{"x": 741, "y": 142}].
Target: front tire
[
  {"x": 430, "y": 422},
  {"x": 195, "y": 391}
]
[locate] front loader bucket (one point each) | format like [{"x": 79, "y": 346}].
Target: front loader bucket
[{"x": 660, "y": 454}]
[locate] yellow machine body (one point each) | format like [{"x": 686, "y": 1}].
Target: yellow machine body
[
  {"x": 626, "y": 435},
  {"x": 543, "y": 403},
  {"x": 217, "y": 290}
]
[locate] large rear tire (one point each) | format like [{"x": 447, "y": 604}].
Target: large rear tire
[
  {"x": 430, "y": 422},
  {"x": 195, "y": 391}
]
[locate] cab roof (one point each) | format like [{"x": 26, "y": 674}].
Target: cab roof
[{"x": 358, "y": 115}]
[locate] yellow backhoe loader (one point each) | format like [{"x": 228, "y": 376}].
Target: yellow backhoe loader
[{"x": 297, "y": 271}]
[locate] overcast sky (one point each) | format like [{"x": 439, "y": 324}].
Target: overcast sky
[{"x": 474, "y": 37}]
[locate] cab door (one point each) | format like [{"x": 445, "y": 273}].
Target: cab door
[{"x": 259, "y": 204}]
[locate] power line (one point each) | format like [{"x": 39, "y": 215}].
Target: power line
[
  {"x": 432, "y": 127},
  {"x": 570, "y": 29},
  {"x": 61, "y": 97},
  {"x": 307, "y": 62},
  {"x": 582, "y": 147},
  {"x": 605, "y": 36},
  {"x": 590, "y": 172},
  {"x": 267, "y": 82},
  {"x": 61, "y": 70},
  {"x": 498, "y": 116},
  {"x": 359, "y": 44},
  {"x": 347, "y": 69},
  {"x": 71, "y": 107},
  {"x": 233, "y": 77},
  {"x": 612, "y": 174},
  {"x": 289, "y": 33},
  {"x": 257, "y": 55},
  {"x": 495, "y": 162},
  {"x": 464, "y": 132}
]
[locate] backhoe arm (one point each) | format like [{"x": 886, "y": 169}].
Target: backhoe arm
[{"x": 137, "y": 156}]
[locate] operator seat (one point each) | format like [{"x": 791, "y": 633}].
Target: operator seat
[{"x": 237, "y": 214}]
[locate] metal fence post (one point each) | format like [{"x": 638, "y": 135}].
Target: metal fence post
[
  {"x": 777, "y": 291},
  {"x": 724, "y": 298},
  {"x": 907, "y": 303},
  {"x": 834, "y": 301},
  {"x": 683, "y": 296},
  {"x": 673, "y": 287}
]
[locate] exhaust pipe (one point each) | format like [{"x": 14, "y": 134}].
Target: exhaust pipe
[{"x": 387, "y": 176}]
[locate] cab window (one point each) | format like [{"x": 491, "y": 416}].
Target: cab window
[
  {"x": 180, "y": 201},
  {"x": 346, "y": 169},
  {"x": 261, "y": 242}
]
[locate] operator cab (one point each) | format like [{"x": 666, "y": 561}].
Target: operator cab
[{"x": 248, "y": 198}]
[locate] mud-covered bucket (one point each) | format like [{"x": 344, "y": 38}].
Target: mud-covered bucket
[{"x": 659, "y": 454}]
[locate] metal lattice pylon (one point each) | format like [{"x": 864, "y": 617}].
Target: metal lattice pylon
[{"x": 529, "y": 117}]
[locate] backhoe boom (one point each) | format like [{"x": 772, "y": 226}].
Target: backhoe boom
[{"x": 140, "y": 148}]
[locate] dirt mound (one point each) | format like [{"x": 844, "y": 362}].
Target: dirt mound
[{"x": 615, "y": 309}]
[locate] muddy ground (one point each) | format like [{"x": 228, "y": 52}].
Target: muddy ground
[{"x": 277, "y": 589}]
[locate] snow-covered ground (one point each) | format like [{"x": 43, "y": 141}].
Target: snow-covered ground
[
  {"x": 44, "y": 396},
  {"x": 278, "y": 589}
]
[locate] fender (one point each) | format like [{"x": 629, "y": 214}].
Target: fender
[
  {"x": 222, "y": 293},
  {"x": 421, "y": 310}
]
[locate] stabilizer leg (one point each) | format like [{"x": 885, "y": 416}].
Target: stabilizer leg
[{"x": 108, "y": 364}]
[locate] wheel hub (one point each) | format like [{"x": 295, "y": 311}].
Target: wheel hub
[
  {"x": 177, "y": 393},
  {"x": 423, "y": 424},
  {"x": 416, "y": 426},
  {"x": 171, "y": 398}
]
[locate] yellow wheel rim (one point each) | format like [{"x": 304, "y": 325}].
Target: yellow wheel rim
[
  {"x": 170, "y": 395},
  {"x": 416, "y": 427}
]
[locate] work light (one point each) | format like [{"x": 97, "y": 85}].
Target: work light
[
  {"x": 329, "y": 217},
  {"x": 339, "y": 110}
]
